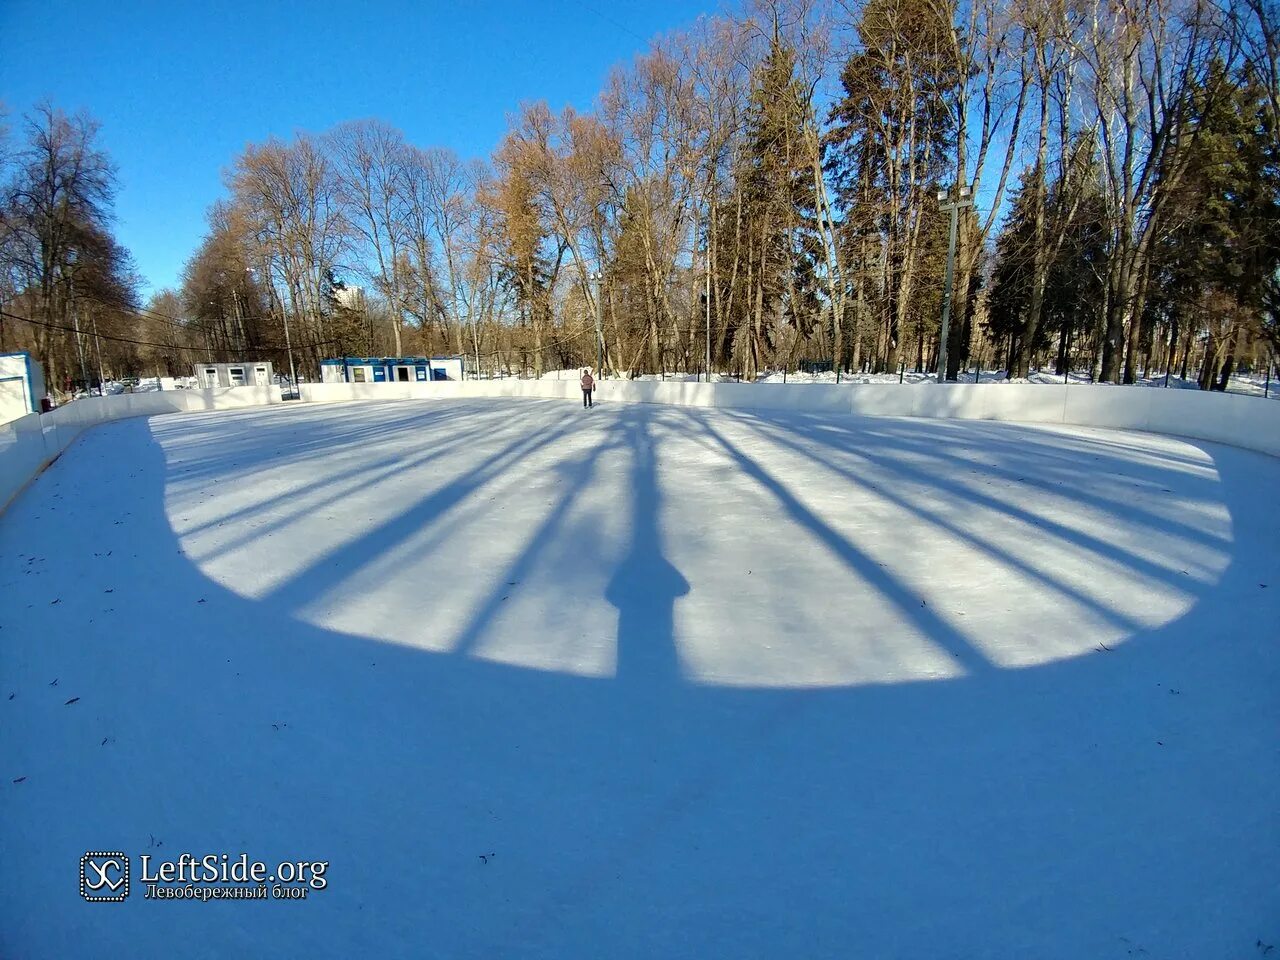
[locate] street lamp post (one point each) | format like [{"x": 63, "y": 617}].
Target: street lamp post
[{"x": 953, "y": 206}]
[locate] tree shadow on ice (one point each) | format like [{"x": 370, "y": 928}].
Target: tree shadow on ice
[
  {"x": 573, "y": 475},
  {"x": 906, "y": 603},
  {"x": 1003, "y": 450},
  {"x": 288, "y": 445},
  {"x": 896, "y": 477},
  {"x": 473, "y": 809},
  {"x": 645, "y": 585},
  {"x": 327, "y": 571}
]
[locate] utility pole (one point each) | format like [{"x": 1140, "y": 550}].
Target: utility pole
[
  {"x": 208, "y": 338},
  {"x": 475, "y": 332},
  {"x": 288, "y": 345},
  {"x": 97, "y": 348},
  {"x": 239, "y": 318},
  {"x": 395, "y": 327},
  {"x": 947, "y": 204},
  {"x": 295, "y": 295},
  {"x": 598, "y": 277},
  {"x": 75, "y": 321},
  {"x": 396, "y": 314}
]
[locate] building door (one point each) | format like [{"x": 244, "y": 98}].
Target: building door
[{"x": 402, "y": 374}]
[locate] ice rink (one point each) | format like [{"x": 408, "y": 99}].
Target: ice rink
[{"x": 645, "y": 681}]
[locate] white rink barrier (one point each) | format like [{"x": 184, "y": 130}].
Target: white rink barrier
[
  {"x": 30, "y": 443},
  {"x": 438, "y": 390},
  {"x": 1248, "y": 422}
]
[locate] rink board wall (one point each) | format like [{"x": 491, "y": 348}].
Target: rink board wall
[
  {"x": 1249, "y": 422},
  {"x": 30, "y": 443}
]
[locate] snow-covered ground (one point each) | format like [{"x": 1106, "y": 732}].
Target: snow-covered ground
[{"x": 645, "y": 682}]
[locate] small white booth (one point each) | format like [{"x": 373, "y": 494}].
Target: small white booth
[
  {"x": 21, "y": 386},
  {"x": 246, "y": 373}
]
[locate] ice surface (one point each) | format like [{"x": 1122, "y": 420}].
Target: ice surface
[{"x": 694, "y": 683}]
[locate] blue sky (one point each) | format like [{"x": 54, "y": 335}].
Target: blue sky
[{"x": 181, "y": 87}]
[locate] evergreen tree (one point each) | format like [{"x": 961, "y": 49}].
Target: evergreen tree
[
  {"x": 1011, "y": 277},
  {"x": 888, "y": 147},
  {"x": 1075, "y": 209},
  {"x": 779, "y": 285},
  {"x": 1214, "y": 268}
]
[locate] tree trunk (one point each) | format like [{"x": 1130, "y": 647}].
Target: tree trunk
[
  {"x": 958, "y": 335},
  {"x": 1118, "y": 307},
  {"x": 1228, "y": 363}
]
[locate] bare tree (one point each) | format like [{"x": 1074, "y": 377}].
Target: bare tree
[
  {"x": 289, "y": 198},
  {"x": 57, "y": 200},
  {"x": 994, "y": 69},
  {"x": 1051, "y": 31},
  {"x": 370, "y": 164},
  {"x": 1143, "y": 65}
]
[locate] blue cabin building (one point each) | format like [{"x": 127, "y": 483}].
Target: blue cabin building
[{"x": 390, "y": 369}]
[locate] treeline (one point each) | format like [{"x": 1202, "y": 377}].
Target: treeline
[
  {"x": 762, "y": 190},
  {"x": 68, "y": 290}
]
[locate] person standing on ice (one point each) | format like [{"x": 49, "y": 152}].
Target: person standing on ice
[{"x": 588, "y": 385}]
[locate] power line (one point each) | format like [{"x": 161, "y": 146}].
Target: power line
[
  {"x": 611, "y": 20},
  {"x": 498, "y": 352},
  {"x": 198, "y": 325},
  {"x": 104, "y": 336},
  {"x": 163, "y": 317},
  {"x": 546, "y": 346},
  {"x": 152, "y": 343}
]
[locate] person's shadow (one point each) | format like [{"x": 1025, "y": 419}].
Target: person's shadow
[{"x": 645, "y": 585}]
